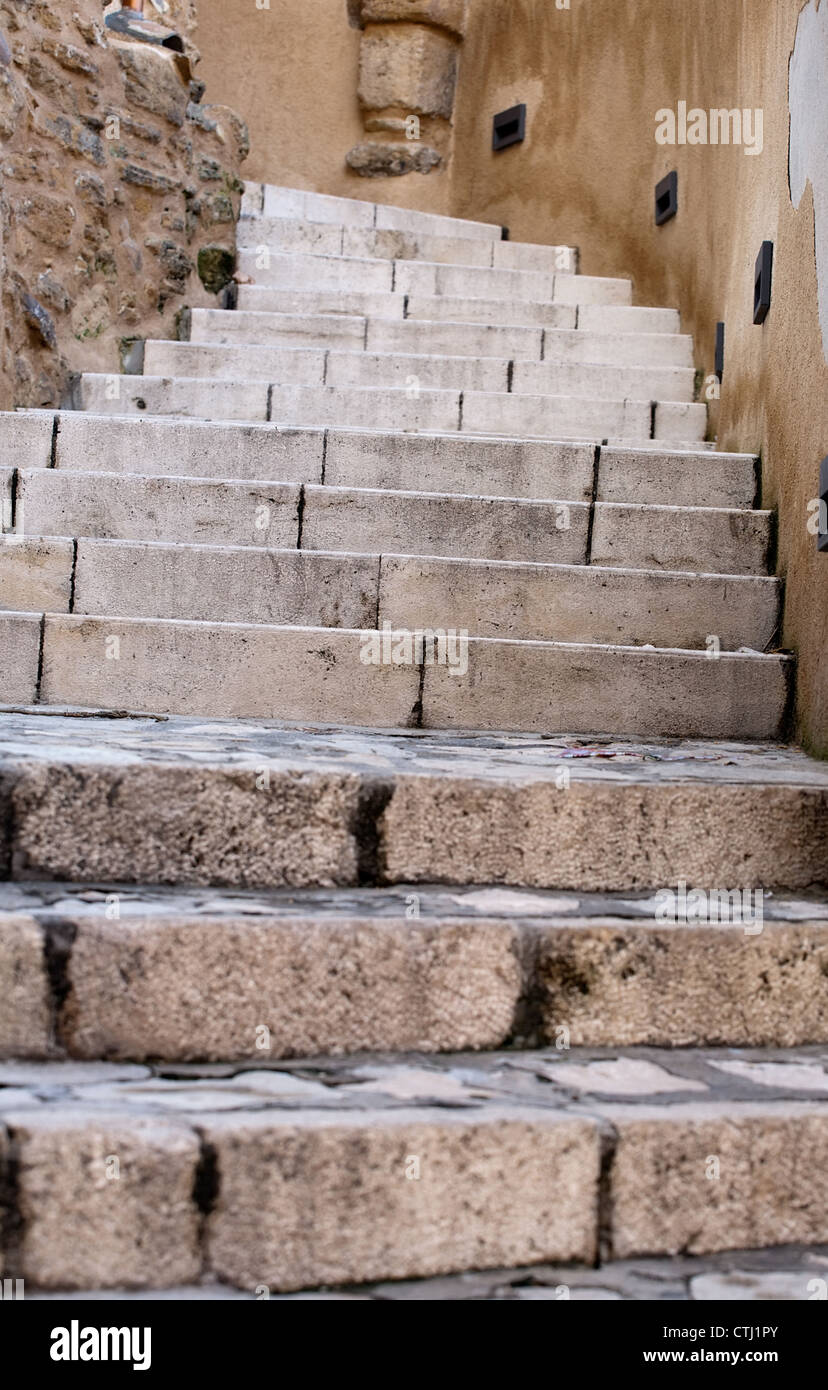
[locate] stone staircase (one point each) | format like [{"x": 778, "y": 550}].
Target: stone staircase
[{"x": 373, "y": 661}]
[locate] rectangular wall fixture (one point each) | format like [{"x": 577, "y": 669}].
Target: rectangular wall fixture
[
  {"x": 822, "y": 536},
  {"x": 720, "y": 342},
  {"x": 509, "y": 127},
  {"x": 666, "y": 198},
  {"x": 763, "y": 277}
]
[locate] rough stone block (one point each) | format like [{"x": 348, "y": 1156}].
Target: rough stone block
[
  {"x": 533, "y": 833},
  {"x": 35, "y": 574},
  {"x": 149, "y": 986},
  {"x": 443, "y": 14},
  {"x": 408, "y": 66},
  {"x": 168, "y": 824},
  {"x": 325, "y": 1199},
  {"x": 24, "y": 988},
  {"x": 620, "y": 983},
  {"x": 694, "y": 1180},
  {"x": 105, "y": 1200}
]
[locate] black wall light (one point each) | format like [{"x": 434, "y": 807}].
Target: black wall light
[
  {"x": 720, "y": 344},
  {"x": 666, "y": 198},
  {"x": 509, "y": 127},
  {"x": 763, "y": 278},
  {"x": 822, "y": 535}
]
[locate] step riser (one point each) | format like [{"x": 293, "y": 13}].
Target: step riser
[
  {"x": 112, "y": 506},
  {"x": 326, "y": 674},
  {"x": 273, "y": 1167},
  {"x": 269, "y": 822},
  {"x": 271, "y": 270},
  {"x": 310, "y": 588},
  {"x": 565, "y": 417},
  {"x": 449, "y": 309},
  {"x": 57, "y": 502},
  {"x": 514, "y": 468},
  {"x": 288, "y": 235},
  {"x": 273, "y": 201},
  {"x": 223, "y": 327},
  {"x": 366, "y": 369},
  {"x": 411, "y": 985}
]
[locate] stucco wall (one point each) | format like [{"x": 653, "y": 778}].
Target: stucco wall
[
  {"x": 594, "y": 76},
  {"x": 293, "y": 70}
]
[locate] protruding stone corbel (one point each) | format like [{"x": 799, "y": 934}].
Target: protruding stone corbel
[{"x": 407, "y": 79}]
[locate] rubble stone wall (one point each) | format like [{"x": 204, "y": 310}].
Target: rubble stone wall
[{"x": 119, "y": 192}]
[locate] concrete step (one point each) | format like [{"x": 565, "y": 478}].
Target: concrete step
[
  {"x": 603, "y": 379},
  {"x": 312, "y": 367},
  {"x": 447, "y": 463},
  {"x": 463, "y": 1163},
  {"x": 428, "y": 969},
  {"x": 286, "y": 235},
  {"x": 381, "y": 680},
  {"x": 446, "y": 308},
  {"x": 716, "y": 540},
  {"x": 312, "y": 588},
  {"x": 274, "y": 270},
  {"x": 117, "y": 506},
  {"x": 257, "y": 805},
  {"x": 135, "y": 506},
  {"x": 268, "y": 200},
  {"x": 394, "y": 408},
  {"x": 355, "y": 333}
]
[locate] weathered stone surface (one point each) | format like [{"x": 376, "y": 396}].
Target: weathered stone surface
[
  {"x": 25, "y": 1013},
  {"x": 444, "y": 14},
  {"x": 168, "y": 825},
  {"x": 616, "y": 984},
  {"x": 152, "y": 79},
  {"x": 472, "y": 832},
  {"x": 408, "y": 66},
  {"x": 523, "y": 1181},
  {"x": 20, "y": 641},
  {"x": 105, "y": 1200},
  {"x": 149, "y": 986},
  {"x": 380, "y": 161},
  {"x": 694, "y": 1180},
  {"x": 35, "y": 575},
  {"x": 215, "y": 267}
]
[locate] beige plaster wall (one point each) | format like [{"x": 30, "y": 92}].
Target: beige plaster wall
[
  {"x": 293, "y": 71},
  {"x": 593, "y": 77}
]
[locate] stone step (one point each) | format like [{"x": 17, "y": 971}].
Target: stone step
[
  {"x": 315, "y": 367},
  {"x": 312, "y": 588},
  {"x": 117, "y": 506},
  {"x": 258, "y": 805},
  {"x": 599, "y": 318},
  {"x": 261, "y": 236},
  {"x": 356, "y": 333},
  {"x": 273, "y": 270},
  {"x": 413, "y": 968},
  {"x": 448, "y": 463},
  {"x": 379, "y": 680},
  {"x": 394, "y": 408},
  {"x": 785, "y": 1273},
  {"x": 412, "y": 1167},
  {"x": 268, "y": 200}
]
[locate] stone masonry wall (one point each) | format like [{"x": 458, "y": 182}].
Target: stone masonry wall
[{"x": 119, "y": 193}]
